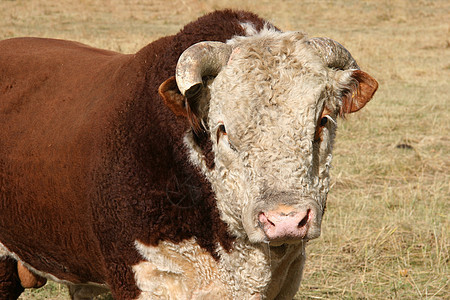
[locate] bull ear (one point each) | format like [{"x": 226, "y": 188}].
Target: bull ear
[
  {"x": 169, "y": 92},
  {"x": 179, "y": 104},
  {"x": 359, "y": 90}
]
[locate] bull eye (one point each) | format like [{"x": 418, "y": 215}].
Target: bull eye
[
  {"x": 323, "y": 121},
  {"x": 222, "y": 129}
]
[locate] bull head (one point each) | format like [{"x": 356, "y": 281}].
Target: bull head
[{"x": 270, "y": 102}]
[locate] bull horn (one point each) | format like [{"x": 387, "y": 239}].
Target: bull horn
[
  {"x": 199, "y": 60},
  {"x": 333, "y": 54}
]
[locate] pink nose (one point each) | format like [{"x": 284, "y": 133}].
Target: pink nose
[{"x": 285, "y": 224}]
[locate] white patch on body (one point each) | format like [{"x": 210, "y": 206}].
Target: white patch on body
[
  {"x": 178, "y": 271},
  {"x": 186, "y": 271}
]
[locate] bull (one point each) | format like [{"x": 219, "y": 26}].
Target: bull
[{"x": 196, "y": 168}]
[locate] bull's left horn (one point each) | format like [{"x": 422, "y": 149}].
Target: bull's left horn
[
  {"x": 333, "y": 54},
  {"x": 199, "y": 60}
]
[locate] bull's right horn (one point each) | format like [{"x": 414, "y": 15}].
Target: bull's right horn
[{"x": 199, "y": 60}]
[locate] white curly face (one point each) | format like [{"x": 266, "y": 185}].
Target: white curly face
[{"x": 271, "y": 119}]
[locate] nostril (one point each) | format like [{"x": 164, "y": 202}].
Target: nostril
[
  {"x": 264, "y": 220},
  {"x": 305, "y": 219},
  {"x": 270, "y": 222}
]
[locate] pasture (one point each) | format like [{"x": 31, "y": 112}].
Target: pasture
[{"x": 385, "y": 234}]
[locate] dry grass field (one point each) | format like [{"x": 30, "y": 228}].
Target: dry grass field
[{"x": 386, "y": 230}]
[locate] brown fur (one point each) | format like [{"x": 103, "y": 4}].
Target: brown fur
[{"x": 91, "y": 159}]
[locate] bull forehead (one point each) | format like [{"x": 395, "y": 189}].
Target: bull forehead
[
  {"x": 271, "y": 90},
  {"x": 269, "y": 97}
]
